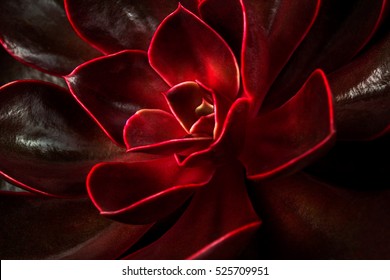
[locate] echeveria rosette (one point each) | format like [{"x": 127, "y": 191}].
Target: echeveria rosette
[{"x": 212, "y": 101}]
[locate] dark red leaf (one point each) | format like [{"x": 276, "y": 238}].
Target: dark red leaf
[
  {"x": 273, "y": 30},
  {"x": 362, "y": 94},
  {"x": 308, "y": 219},
  {"x": 112, "y": 27},
  {"x": 143, "y": 192},
  {"x": 331, "y": 43},
  {"x": 48, "y": 143},
  {"x": 152, "y": 126},
  {"x": 13, "y": 70},
  {"x": 185, "y": 49},
  {"x": 291, "y": 135},
  {"x": 114, "y": 87},
  {"x": 35, "y": 227},
  {"x": 229, "y": 143},
  {"x": 225, "y": 17},
  {"x": 219, "y": 219},
  {"x": 185, "y": 102},
  {"x": 204, "y": 125},
  {"x": 38, "y": 33},
  {"x": 158, "y": 132}
]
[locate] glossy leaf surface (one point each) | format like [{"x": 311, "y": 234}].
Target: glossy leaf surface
[
  {"x": 60, "y": 228},
  {"x": 362, "y": 94},
  {"x": 127, "y": 192},
  {"x": 331, "y": 43},
  {"x": 319, "y": 221},
  {"x": 31, "y": 34},
  {"x": 48, "y": 143},
  {"x": 114, "y": 87},
  {"x": 184, "y": 49},
  {"x": 123, "y": 25},
  {"x": 288, "y": 136}
]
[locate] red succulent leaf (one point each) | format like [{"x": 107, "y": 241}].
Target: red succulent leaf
[
  {"x": 184, "y": 48},
  {"x": 226, "y": 17},
  {"x": 48, "y": 143},
  {"x": 288, "y": 136},
  {"x": 272, "y": 32},
  {"x": 230, "y": 141},
  {"x": 362, "y": 94},
  {"x": 114, "y": 87},
  {"x": 60, "y": 228},
  {"x": 185, "y": 102},
  {"x": 112, "y": 27},
  {"x": 219, "y": 219},
  {"x": 19, "y": 71},
  {"x": 319, "y": 221},
  {"x": 151, "y": 126},
  {"x": 143, "y": 133},
  {"x": 331, "y": 43},
  {"x": 126, "y": 191},
  {"x": 204, "y": 125},
  {"x": 30, "y": 34}
]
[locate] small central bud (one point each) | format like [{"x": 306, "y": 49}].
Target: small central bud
[{"x": 204, "y": 109}]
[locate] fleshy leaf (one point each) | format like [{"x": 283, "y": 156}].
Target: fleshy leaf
[
  {"x": 230, "y": 141},
  {"x": 48, "y": 143},
  {"x": 184, "y": 100},
  {"x": 13, "y": 70},
  {"x": 219, "y": 218},
  {"x": 158, "y": 132},
  {"x": 331, "y": 43},
  {"x": 114, "y": 87},
  {"x": 362, "y": 94},
  {"x": 307, "y": 219},
  {"x": 225, "y": 17},
  {"x": 204, "y": 125},
  {"x": 289, "y": 136},
  {"x": 184, "y": 49},
  {"x": 143, "y": 192},
  {"x": 113, "y": 27},
  {"x": 29, "y": 30},
  {"x": 36, "y": 227},
  {"x": 273, "y": 30},
  {"x": 149, "y": 126}
]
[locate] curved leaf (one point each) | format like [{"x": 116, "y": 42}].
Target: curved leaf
[
  {"x": 14, "y": 70},
  {"x": 219, "y": 218},
  {"x": 113, "y": 27},
  {"x": 291, "y": 135},
  {"x": 362, "y": 94},
  {"x": 48, "y": 143},
  {"x": 148, "y": 127},
  {"x": 143, "y": 192},
  {"x": 114, "y": 87},
  {"x": 225, "y": 17},
  {"x": 272, "y": 32},
  {"x": 185, "y": 49},
  {"x": 308, "y": 219},
  {"x": 230, "y": 142},
  {"x": 185, "y": 101},
  {"x": 29, "y": 30},
  {"x": 60, "y": 228},
  {"x": 331, "y": 43}
]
